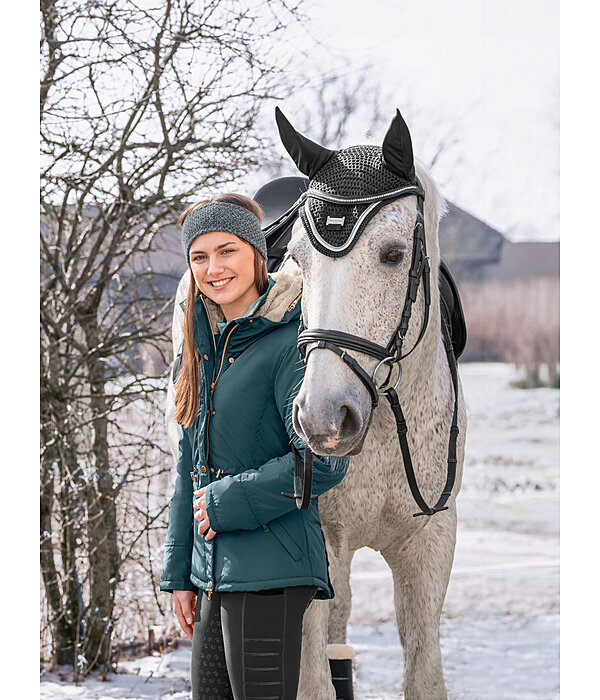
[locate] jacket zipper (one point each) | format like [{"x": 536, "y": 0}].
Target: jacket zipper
[{"x": 212, "y": 386}]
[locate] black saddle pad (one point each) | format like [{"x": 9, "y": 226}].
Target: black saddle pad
[
  {"x": 281, "y": 199},
  {"x": 451, "y": 308}
]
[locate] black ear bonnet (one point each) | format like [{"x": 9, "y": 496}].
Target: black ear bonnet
[
  {"x": 357, "y": 173},
  {"x": 349, "y": 186}
]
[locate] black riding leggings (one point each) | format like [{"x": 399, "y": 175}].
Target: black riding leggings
[{"x": 247, "y": 644}]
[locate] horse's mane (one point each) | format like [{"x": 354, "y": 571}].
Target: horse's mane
[{"x": 433, "y": 198}]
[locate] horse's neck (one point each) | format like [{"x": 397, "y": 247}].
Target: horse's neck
[
  {"x": 421, "y": 362},
  {"x": 424, "y": 375}
]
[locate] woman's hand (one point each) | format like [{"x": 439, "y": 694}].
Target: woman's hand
[
  {"x": 202, "y": 516},
  {"x": 184, "y": 607}
]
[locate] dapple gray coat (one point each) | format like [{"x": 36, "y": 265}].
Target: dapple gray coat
[{"x": 372, "y": 506}]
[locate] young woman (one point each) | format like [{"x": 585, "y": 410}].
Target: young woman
[{"x": 242, "y": 562}]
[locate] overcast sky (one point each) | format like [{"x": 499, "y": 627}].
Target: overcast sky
[{"x": 486, "y": 71}]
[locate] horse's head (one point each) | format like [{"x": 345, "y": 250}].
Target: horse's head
[{"x": 355, "y": 260}]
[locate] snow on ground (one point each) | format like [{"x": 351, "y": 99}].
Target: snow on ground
[{"x": 500, "y": 625}]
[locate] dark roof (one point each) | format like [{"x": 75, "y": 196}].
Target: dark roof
[{"x": 466, "y": 239}]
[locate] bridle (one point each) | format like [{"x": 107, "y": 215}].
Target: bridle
[{"x": 390, "y": 355}]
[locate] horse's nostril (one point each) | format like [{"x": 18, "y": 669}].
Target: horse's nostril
[
  {"x": 295, "y": 417},
  {"x": 351, "y": 422}
]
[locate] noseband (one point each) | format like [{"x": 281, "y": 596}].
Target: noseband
[{"x": 390, "y": 355}]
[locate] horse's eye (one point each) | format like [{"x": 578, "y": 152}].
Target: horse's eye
[{"x": 395, "y": 256}]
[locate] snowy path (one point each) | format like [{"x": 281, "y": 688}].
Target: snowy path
[{"x": 500, "y": 625}]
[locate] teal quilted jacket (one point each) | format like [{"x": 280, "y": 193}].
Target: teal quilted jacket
[{"x": 239, "y": 447}]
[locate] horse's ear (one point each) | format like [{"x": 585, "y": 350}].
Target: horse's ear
[
  {"x": 397, "y": 153},
  {"x": 308, "y": 155}
]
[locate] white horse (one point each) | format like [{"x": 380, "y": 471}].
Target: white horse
[
  {"x": 333, "y": 413},
  {"x": 373, "y": 506}
]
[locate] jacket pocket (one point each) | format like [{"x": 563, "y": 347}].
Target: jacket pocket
[{"x": 286, "y": 539}]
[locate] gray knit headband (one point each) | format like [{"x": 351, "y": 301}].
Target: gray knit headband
[{"x": 222, "y": 216}]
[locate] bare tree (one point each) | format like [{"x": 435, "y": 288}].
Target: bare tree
[
  {"x": 141, "y": 107},
  {"x": 350, "y": 105},
  {"x": 337, "y": 107},
  {"x": 337, "y": 103}
]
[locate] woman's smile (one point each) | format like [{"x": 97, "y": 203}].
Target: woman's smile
[{"x": 220, "y": 284}]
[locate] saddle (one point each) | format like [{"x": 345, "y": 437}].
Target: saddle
[{"x": 280, "y": 200}]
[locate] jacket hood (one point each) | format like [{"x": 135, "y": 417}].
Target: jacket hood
[{"x": 276, "y": 304}]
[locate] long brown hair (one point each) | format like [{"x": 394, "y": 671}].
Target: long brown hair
[{"x": 187, "y": 386}]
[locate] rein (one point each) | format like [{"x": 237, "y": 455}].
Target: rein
[{"x": 335, "y": 340}]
